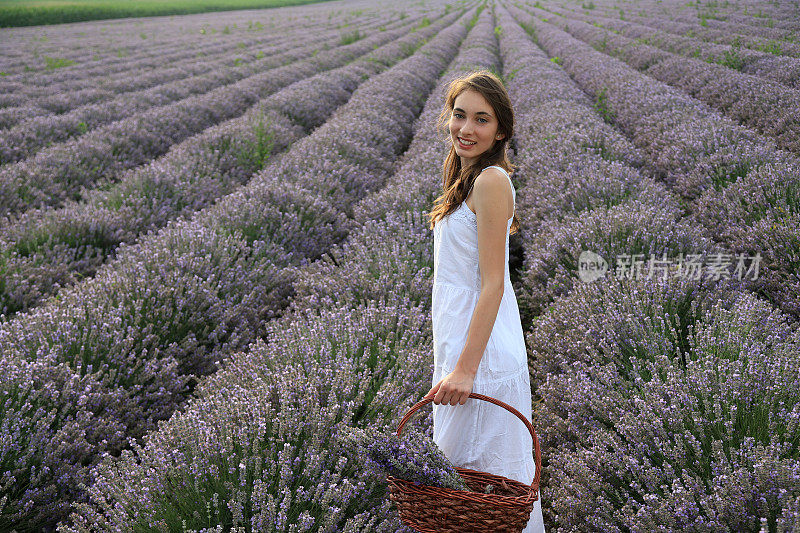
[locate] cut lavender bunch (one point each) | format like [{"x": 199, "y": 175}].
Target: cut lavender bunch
[{"x": 411, "y": 456}]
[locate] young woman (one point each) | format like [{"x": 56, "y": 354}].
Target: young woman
[{"x": 478, "y": 341}]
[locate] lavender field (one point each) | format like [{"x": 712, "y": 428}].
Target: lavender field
[{"x": 214, "y": 258}]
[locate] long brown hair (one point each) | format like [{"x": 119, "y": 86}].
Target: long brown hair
[{"x": 458, "y": 181}]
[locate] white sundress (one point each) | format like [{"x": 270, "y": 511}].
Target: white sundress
[{"x": 480, "y": 435}]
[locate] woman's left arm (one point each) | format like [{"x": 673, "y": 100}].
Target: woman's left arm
[{"x": 491, "y": 209}]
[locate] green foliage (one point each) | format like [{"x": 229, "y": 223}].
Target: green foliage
[
  {"x": 529, "y": 29},
  {"x": 590, "y": 5},
  {"x": 351, "y": 37},
  {"x": 557, "y": 60},
  {"x": 498, "y": 31},
  {"x": 474, "y": 18},
  {"x": 723, "y": 176},
  {"x": 255, "y": 152},
  {"x": 731, "y": 59},
  {"x": 771, "y": 46},
  {"x": 510, "y": 75},
  {"x": 602, "y": 45},
  {"x": 57, "y": 62},
  {"x": 601, "y": 106},
  {"x": 424, "y": 23},
  {"x": 38, "y": 12}
]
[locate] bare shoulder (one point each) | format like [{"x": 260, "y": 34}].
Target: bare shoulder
[{"x": 491, "y": 182}]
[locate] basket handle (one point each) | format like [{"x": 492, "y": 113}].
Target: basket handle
[{"x": 429, "y": 398}]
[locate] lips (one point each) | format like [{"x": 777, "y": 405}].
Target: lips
[{"x": 465, "y": 146}]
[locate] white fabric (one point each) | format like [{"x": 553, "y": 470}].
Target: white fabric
[{"x": 480, "y": 435}]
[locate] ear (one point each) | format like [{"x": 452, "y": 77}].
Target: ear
[{"x": 499, "y": 136}]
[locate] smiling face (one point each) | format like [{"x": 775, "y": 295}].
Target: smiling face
[{"x": 472, "y": 121}]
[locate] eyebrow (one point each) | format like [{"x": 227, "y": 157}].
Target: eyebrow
[{"x": 478, "y": 113}]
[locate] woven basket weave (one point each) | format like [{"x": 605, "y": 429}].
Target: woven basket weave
[{"x": 441, "y": 510}]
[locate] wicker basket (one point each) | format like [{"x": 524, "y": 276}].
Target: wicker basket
[{"x": 440, "y": 510}]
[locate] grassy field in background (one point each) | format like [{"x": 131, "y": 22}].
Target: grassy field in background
[{"x": 35, "y": 12}]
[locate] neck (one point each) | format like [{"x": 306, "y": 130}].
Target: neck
[{"x": 466, "y": 161}]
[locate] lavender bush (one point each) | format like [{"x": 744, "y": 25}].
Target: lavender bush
[
  {"x": 629, "y": 228},
  {"x": 60, "y": 172},
  {"x": 154, "y": 353},
  {"x": 49, "y": 249},
  {"x": 412, "y": 456},
  {"x": 361, "y": 365},
  {"x": 25, "y": 139},
  {"x": 159, "y": 79},
  {"x": 35, "y": 398},
  {"x": 771, "y": 40},
  {"x": 695, "y": 150},
  {"x": 260, "y": 448},
  {"x": 784, "y": 70},
  {"x": 602, "y": 497},
  {"x": 762, "y": 104},
  {"x": 668, "y": 406}
]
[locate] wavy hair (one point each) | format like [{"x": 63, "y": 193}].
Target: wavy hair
[{"x": 457, "y": 181}]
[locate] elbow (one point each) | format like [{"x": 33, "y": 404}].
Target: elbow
[{"x": 493, "y": 288}]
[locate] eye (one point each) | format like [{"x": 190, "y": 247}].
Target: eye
[
  {"x": 483, "y": 119},
  {"x": 458, "y": 115}
]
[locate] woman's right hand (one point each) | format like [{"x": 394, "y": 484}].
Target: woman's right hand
[{"x": 453, "y": 389}]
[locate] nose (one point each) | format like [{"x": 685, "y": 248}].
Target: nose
[{"x": 466, "y": 129}]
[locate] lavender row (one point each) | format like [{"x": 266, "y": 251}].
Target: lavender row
[
  {"x": 62, "y": 172},
  {"x": 166, "y": 310},
  {"x": 46, "y": 250},
  {"x": 95, "y": 46},
  {"x": 754, "y": 14},
  {"x": 163, "y": 82},
  {"x": 585, "y": 190},
  {"x": 702, "y": 21},
  {"x": 700, "y": 153},
  {"x": 603, "y": 383},
  {"x": 27, "y": 138},
  {"x": 147, "y": 56},
  {"x": 37, "y": 91},
  {"x": 771, "y": 40},
  {"x": 358, "y": 359},
  {"x": 783, "y": 70},
  {"x": 761, "y": 16},
  {"x": 666, "y": 399},
  {"x": 761, "y": 104}
]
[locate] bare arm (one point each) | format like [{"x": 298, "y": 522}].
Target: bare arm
[
  {"x": 491, "y": 198},
  {"x": 491, "y": 208}
]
